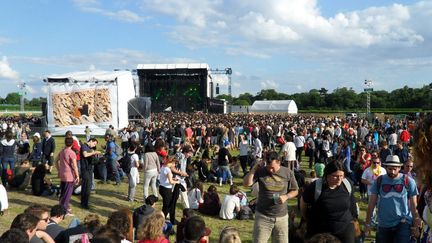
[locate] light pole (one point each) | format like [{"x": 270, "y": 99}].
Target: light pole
[
  {"x": 22, "y": 87},
  {"x": 368, "y": 89}
]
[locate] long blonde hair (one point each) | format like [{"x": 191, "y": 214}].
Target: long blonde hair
[{"x": 151, "y": 229}]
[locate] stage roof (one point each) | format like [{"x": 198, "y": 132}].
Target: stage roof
[{"x": 174, "y": 66}]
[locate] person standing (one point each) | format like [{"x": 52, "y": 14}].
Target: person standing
[
  {"x": 23, "y": 148},
  {"x": 48, "y": 148},
  {"x": 276, "y": 184},
  {"x": 258, "y": 148},
  {"x": 299, "y": 142},
  {"x": 133, "y": 174},
  {"x": 244, "y": 153},
  {"x": 87, "y": 132},
  {"x": 124, "y": 136},
  {"x": 36, "y": 154},
  {"x": 332, "y": 204},
  {"x": 397, "y": 194},
  {"x": 88, "y": 156},
  {"x": 67, "y": 168},
  {"x": 151, "y": 169},
  {"x": 7, "y": 152},
  {"x": 111, "y": 157},
  {"x": 288, "y": 152}
]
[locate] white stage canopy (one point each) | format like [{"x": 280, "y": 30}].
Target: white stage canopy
[
  {"x": 93, "y": 98},
  {"x": 274, "y": 106}
]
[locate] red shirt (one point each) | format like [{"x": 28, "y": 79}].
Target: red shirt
[{"x": 76, "y": 147}]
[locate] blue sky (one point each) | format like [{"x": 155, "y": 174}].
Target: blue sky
[{"x": 291, "y": 46}]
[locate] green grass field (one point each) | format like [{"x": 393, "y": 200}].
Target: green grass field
[{"x": 109, "y": 198}]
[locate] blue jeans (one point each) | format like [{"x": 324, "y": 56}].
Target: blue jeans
[
  {"x": 396, "y": 234},
  {"x": 5, "y": 161},
  {"x": 111, "y": 162}
]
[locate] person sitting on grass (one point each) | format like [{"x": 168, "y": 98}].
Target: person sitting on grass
[
  {"x": 57, "y": 214},
  {"x": 14, "y": 236},
  {"x": 26, "y": 223},
  {"x": 187, "y": 213},
  {"x": 195, "y": 195},
  {"x": 231, "y": 204},
  {"x": 122, "y": 221},
  {"x": 86, "y": 230},
  {"x": 211, "y": 205},
  {"x": 41, "y": 184},
  {"x": 152, "y": 229},
  {"x": 229, "y": 234},
  {"x": 42, "y": 213},
  {"x": 195, "y": 230},
  {"x": 22, "y": 175}
]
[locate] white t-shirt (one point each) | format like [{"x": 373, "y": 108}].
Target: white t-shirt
[
  {"x": 3, "y": 198},
  {"x": 369, "y": 176},
  {"x": 195, "y": 198},
  {"x": 163, "y": 177},
  {"x": 134, "y": 159},
  {"x": 392, "y": 140},
  {"x": 299, "y": 141},
  {"x": 244, "y": 148},
  {"x": 290, "y": 148},
  {"x": 228, "y": 206}
]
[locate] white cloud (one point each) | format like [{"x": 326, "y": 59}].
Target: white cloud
[
  {"x": 6, "y": 71},
  {"x": 110, "y": 59},
  {"x": 195, "y": 12},
  {"x": 261, "y": 29},
  {"x": 93, "y": 6},
  {"x": 269, "y": 84}
]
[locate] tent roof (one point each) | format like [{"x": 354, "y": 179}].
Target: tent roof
[
  {"x": 274, "y": 105},
  {"x": 90, "y": 76}
]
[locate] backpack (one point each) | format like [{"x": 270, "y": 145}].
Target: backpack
[
  {"x": 125, "y": 163},
  {"x": 245, "y": 213},
  {"x": 319, "y": 183},
  {"x": 380, "y": 178}
]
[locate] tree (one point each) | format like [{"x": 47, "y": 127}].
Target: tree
[
  {"x": 226, "y": 97},
  {"x": 241, "y": 102},
  {"x": 13, "y": 99},
  {"x": 267, "y": 94}
]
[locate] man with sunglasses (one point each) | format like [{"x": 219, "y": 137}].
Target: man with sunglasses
[
  {"x": 397, "y": 204},
  {"x": 42, "y": 213}
]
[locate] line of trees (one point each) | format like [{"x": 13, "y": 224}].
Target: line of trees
[
  {"x": 344, "y": 98},
  {"x": 15, "y": 99}
]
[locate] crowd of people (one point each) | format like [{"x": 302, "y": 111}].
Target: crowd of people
[{"x": 178, "y": 154}]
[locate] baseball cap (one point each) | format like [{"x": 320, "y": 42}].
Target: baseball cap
[{"x": 37, "y": 135}]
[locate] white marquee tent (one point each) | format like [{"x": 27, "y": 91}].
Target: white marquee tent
[{"x": 274, "y": 106}]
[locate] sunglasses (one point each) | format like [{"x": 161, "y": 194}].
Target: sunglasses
[
  {"x": 397, "y": 187},
  {"x": 377, "y": 163}
]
